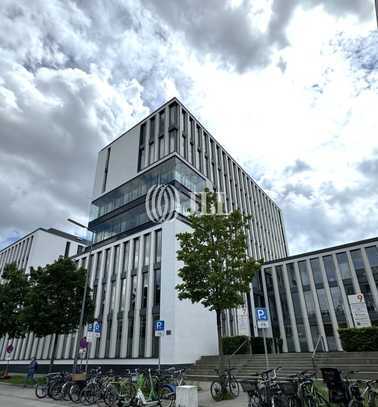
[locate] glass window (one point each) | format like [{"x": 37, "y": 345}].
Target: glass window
[
  {"x": 126, "y": 255},
  {"x": 157, "y": 287},
  {"x": 291, "y": 275},
  {"x": 285, "y": 309},
  {"x": 172, "y": 140},
  {"x": 362, "y": 279},
  {"x": 136, "y": 254},
  {"x": 145, "y": 290},
  {"x": 316, "y": 271},
  {"x": 151, "y": 153},
  {"x": 329, "y": 266},
  {"x": 142, "y": 158},
  {"x": 142, "y": 336},
  {"x": 173, "y": 114},
  {"x": 342, "y": 260},
  {"x": 142, "y": 134},
  {"x": 115, "y": 260},
  {"x": 147, "y": 244},
  {"x": 161, "y": 147},
  {"x": 162, "y": 122},
  {"x": 130, "y": 338},
  {"x": 158, "y": 246},
  {"x": 338, "y": 304},
  {"x": 133, "y": 292},
  {"x": 98, "y": 265},
  {"x": 122, "y": 299},
  {"x": 107, "y": 263},
  {"x": 119, "y": 338},
  {"x": 372, "y": 255},
  {"x": 303, "y": 273}
]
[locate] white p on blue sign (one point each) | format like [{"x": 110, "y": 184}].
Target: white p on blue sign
[
  {"x": 159, "y": 327},
  {"x": 97, "y": 329},
  {"x": 262, "y": 318}
]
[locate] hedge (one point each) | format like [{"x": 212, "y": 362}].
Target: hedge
[
  {"x": 359, "y": 339},
  {"x": 231, "y": 344}
]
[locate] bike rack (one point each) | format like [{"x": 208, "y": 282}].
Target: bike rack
[{"x": 320, "y": 340}]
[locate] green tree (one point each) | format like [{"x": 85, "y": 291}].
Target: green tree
[
  {"x": 54, "y": 301},
  {"x": 217, "y": 271},
  {"x": 14, "y": 287}
]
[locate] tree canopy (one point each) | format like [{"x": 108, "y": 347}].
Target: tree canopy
[
  {"x": 13, "y": 291},
  {"x": 217, "y": 271}
]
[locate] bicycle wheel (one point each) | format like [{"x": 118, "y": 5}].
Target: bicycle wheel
[
  {"x": 216, "y": 390},
  {"x": 167, "y": 396},
  {"x": 321, "y": 401},
  {"x": 355, "y": 403},
  {"x": 111, "y": 396},
  {"x": 127, "y": 391},
  {"x": 372, "y": 399},
  {"x": 74, "y": 393},
  {"x": 233, "y": 387},
  {"x": 56, "y": 391},
  {"x": 254, "y": 401},
  {"x": 66, "y": 391},
  {"x": 41, "y": 390}
]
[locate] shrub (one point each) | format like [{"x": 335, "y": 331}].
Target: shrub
[
  {"x": 359, "y": 339},
  {"x": 231, "y": 344}
]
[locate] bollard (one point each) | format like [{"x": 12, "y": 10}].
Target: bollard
[{"x": 186, "y": 396}]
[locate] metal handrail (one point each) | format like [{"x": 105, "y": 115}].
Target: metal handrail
[
  {"x": 246, "y": 341},
  {"x": 320, "y": 339}
]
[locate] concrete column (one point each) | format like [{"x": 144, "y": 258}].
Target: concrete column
[
  {"x": 104, "y": 332},
  {"x": 117, "y": 293},
  {"x": 348, "y": 314},
  {"x": 19, "y": 346},
  {"x": 290, "y": 305},
  {"x": 319, "y": 318},
  {"x": 40, "y": 347},
  {"x": 33, "y": 352},
  {"x": 332, "y": 313},
  {"x": 150, "y": 300},
  {"x": 370, "y": 278},
  {"x": 306, "y": 324},
  {"x": 98, "y": 297},
  {"x": 253, "y": 309},
  {"x": 45, "y": 353},
  {"x": 269, "y": 331},
  {"x": 355, "y": 282},
  {"x": 279, "y": 310},
  {"x": 125, "y": 323},
  {"x": 135, "y": 351}
]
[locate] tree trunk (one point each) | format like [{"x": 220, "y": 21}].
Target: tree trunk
[
  {"x": 220, "y": 346},
  {"x": 53, "y": 352}
]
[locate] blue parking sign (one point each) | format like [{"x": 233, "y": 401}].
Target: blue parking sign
[
  {"x": 261, "y": 314},
  {"x": 159, "y": 325}
]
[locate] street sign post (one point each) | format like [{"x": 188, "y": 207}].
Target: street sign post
[
  {"x": 262, "y": 318},
  {"x": 159, "y": 328},
  {"x": 90, "y": 333},
  {"x": 97, "y": 327},
  {"x": 359, "y": 310}
]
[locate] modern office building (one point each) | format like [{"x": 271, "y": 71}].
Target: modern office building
[
  {"x": 38, "y": 248},
  {"x": 133, "y": 265},
  {"x": 307, "y": 294}
]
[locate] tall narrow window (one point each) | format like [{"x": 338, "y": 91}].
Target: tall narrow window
[
  {"x": 67, "y": 249},
  {"x": 192, "y": 155},
  {"x": 106, "y": 170},
  {"x": 162, "y": 123},
  {"x": 98, "y": 265},
  {"x": 151, "y": 144},
  {"x": 145, "y": 290},
  {"x": 173, "y": 115},
  {"x": 158, "y": 246},
  {"x": 147, "y": 240},
  {"x": 142, "y": 149},
  {"x": 136, "y": 254}
]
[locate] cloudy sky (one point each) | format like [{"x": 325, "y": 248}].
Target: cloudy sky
[{"x": 289, "y": 87}]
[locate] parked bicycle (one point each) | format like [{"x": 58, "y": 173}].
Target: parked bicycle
[{"x": 224, "y": 383}]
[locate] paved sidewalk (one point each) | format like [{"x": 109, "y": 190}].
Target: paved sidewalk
[{"x": 16, "y": 396}]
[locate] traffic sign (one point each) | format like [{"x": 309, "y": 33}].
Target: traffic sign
[
  {"x": 262, "y": 317},
  {"x": 159, "y": 328},
  {"x": 97, "y": 329}
]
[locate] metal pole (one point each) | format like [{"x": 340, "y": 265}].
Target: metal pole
[
  {"x": 81, "y": 327},
  {"x": 265, "y": 350},
  {"x": 159, "y": 352}
]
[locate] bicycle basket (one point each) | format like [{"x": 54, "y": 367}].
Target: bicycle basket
[
  {"x": 78, "y": 377},
  {"x": 248, "y": 386},
  {"x": 289, "y": 388}
]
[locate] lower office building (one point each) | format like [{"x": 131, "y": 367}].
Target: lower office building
[
  {"x": 36, "y": 249},
  {"x": 307, "y": 294}
]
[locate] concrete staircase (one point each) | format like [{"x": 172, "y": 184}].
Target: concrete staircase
[{"x": 247, "y": 366}]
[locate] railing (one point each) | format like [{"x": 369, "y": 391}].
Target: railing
[
  {"x": 237, "y": 350},
  {"x": 320, "y": 340}
]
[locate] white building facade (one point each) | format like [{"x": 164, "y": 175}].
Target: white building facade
[
  {"x": 37, "y": 249},
  {"x": 132, "y": 263},
  {"x": 307, "y": 294}
]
